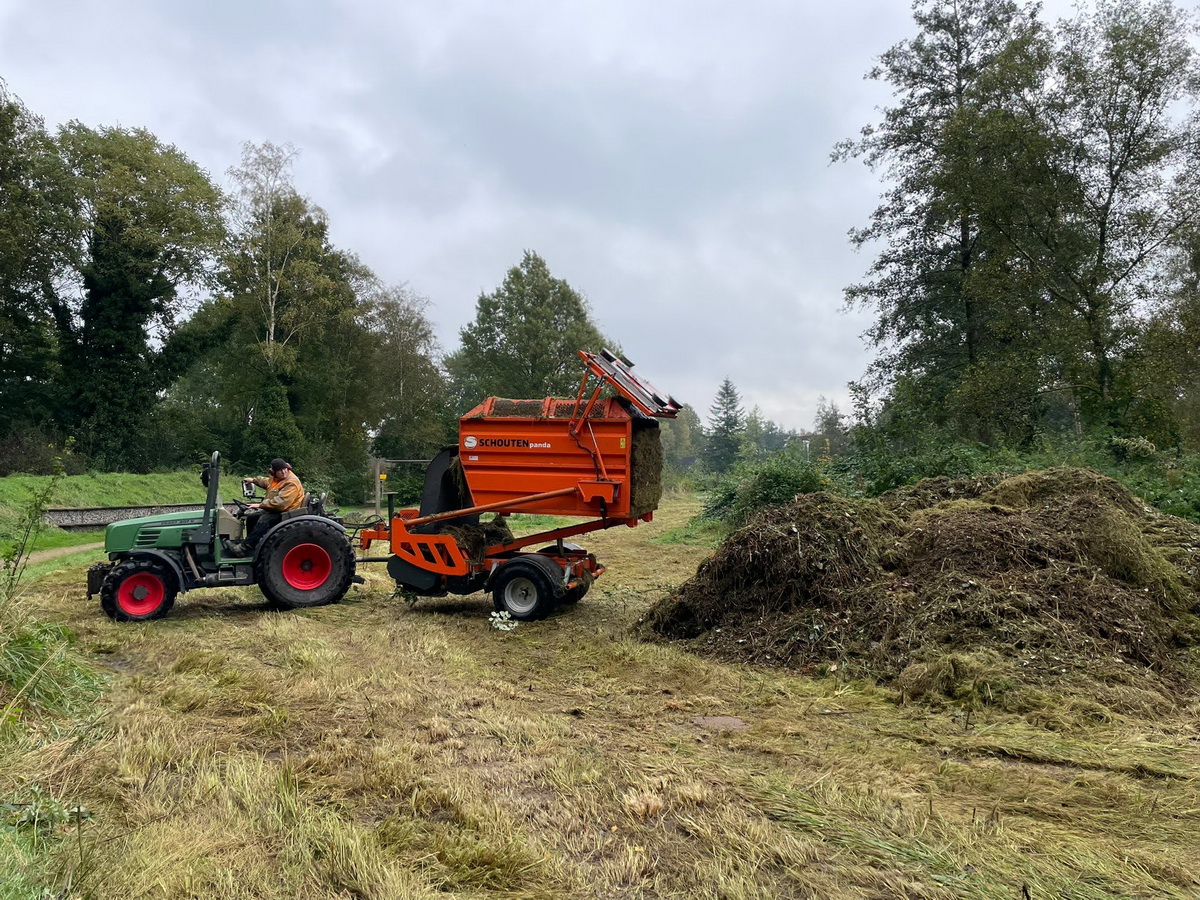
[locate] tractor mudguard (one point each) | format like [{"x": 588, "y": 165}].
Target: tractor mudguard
[{"x": 171, "y": 562}]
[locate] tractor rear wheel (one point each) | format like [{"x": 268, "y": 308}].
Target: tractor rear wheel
[
  {"x": 308, "y": 563},
  {"x": 523, "y": 591},
  {"x": 138, "y": 590}
]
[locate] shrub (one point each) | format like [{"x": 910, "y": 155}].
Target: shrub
[
  {"x": 37, "y": 667},
  {"x": 773, "y": 482}
]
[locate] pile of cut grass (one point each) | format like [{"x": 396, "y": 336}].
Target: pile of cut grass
[
  {"x": 475, "y": 539},
  {"x": 975, "y": 590},
  {"x": 645, "y": 468}
]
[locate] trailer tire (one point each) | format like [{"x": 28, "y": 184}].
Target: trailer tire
[
  {"x": 523, "y": 591},
  {"x": 138, "y": 590},
  {"x": 307, "y": 563},
  {"x": 574, "y": 595}
]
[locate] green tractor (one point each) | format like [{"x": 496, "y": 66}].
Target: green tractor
[{"x": 305, "y": 560}]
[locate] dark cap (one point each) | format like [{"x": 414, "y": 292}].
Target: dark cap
[{"x": 279, "y": 464}]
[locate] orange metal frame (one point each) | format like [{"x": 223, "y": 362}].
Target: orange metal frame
[{"x": 571, "y": 466}]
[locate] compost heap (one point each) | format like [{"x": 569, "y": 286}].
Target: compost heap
[{"x": 1037, "y": 577}]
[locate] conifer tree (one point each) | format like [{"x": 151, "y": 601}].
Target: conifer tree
[{"x": 726, "y": 424}]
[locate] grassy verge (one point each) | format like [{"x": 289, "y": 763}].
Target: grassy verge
[
  {"x": 92, "y": 490},
  {"x": 370, "y": 749},
  {"x": 45, "y": 687},
  {"x": 58, "y": 538},
  {"x": 107, "y": 489}
]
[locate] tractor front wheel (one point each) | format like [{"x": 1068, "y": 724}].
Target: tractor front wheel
[
  {"x": 308, "y": 563},
  {"x": 138, "y": 590}
]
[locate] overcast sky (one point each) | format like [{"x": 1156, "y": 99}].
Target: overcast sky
[{"x": 669, "y": 159}]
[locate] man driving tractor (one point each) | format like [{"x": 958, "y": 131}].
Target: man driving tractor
[{"x": 284, "y": 493}]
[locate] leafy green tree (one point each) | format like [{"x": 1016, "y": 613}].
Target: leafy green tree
[
  {"x": 682, "y": 438},
  {"x": 1164, "y": 374},
  {"x": 299, "y": 348},
  {"x": 1040, "y": 177},
  {"x": 152, "y": 224},
  {"x": 726, "y": 426},
  {"x": 273, "y": 431},
  {"x": 1121, "y": 115},
  {"x": 295, "y": 320},
  {"x": 38, "y": 228},
  {"x": 414, "y": 411},
  {"x": 762, "y": 437},
  {"x": 942, "y": 324},
  {"x": 831, "y": 430},
  {"x": 524, "y": 340},
  {"x": 751, "y": 448}
]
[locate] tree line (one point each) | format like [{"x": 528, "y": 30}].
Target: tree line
[
  {"x": 149, "y": 316},
  {"x": 1038, "y": 246}
]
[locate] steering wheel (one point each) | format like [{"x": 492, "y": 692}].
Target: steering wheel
[{"x": 241, "y": 505}]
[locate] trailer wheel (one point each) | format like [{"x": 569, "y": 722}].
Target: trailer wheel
[
  {"x": 308, "y": 563},
  {"x": 523, "y": 591},
  {"x": 576, "y": 594},
  {"x": 138, "y": 590}
]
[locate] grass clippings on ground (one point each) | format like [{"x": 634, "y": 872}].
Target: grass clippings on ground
[{"x": 374, "y": 750}]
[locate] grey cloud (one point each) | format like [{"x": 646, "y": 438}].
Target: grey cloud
[{"x": 669, "y": 159}]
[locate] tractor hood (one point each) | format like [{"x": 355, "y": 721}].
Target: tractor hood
[{"x": 162, "y": 531}]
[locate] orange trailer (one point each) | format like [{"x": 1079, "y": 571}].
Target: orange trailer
[{"x": 596, "y": 457}]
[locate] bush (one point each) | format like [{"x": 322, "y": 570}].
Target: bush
[
  {"x": 37, "y": 665},
  {"x": 878, "y": 464},
  {"x": 774, "y": 482},
  {"x": 30, "y": 451},
  {"x": 1167, "y": 480}
]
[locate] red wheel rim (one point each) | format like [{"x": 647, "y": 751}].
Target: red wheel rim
[
  {"x": 141, "y": 594},
  {"x": 307, "y": 566}
]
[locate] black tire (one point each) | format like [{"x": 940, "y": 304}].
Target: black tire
[
  {"x": 138, "y": 590},
  {"x": 523, "y": 591},
  {"x": 576, "y": 594},
  {"x": 305, "y": 563}
]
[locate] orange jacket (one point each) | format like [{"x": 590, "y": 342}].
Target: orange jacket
[{"x": 282, "y": 493}]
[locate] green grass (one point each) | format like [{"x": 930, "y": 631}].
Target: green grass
[
  {"x": 21, "y": 859},
  {"x": 526, "y": 523},
  {"x": 698, "y": 532},
  {"x": 57, "y": 538},
  {"x": 112, "y": 489},
  {"x": 68, "y": 560}
]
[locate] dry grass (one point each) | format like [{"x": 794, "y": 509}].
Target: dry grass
[{"x": 371, "y": 750}]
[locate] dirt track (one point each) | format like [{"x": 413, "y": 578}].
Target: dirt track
[{"x": 42, "y": 555}]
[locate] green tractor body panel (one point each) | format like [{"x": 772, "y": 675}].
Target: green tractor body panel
[{"x": 163, "y": 532}]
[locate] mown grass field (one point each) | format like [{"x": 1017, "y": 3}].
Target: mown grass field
[{"x": 377, "y": 750}]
